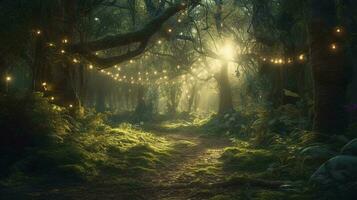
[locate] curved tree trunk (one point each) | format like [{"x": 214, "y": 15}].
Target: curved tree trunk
[
  {"x": 224, "y": 89},
  {"x": 329, "y": 69}
]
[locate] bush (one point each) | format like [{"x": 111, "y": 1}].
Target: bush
[{"x": 29, "y": 121}]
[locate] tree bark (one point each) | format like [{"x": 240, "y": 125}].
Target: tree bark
[
  {"x": 329, "y": 69},
  {"x": 225, "y": 93}
]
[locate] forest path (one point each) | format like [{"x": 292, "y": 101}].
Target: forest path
[{"x": 195, "y": 161}]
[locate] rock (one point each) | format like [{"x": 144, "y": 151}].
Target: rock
[
  {"x": 350, "y": 148},
  {"x": 340, "y": 138},
  {"x": 338, "y": 170},
  {"x": 317, "y": 152}
]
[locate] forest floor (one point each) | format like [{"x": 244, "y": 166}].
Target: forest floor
[
  {"x": 198, "y": 162},
  {"x": 194, "y": 170}
]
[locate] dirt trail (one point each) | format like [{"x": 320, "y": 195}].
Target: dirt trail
[
  {"x": 196, "y": 158},
  {"x": 198, "y": 161}
]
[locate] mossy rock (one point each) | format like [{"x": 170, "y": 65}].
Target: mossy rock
[
  {"x": 249, "y": 160},
  {"x": 74, "y": 172}
]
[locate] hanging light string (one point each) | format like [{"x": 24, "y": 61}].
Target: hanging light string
[{"x": 156, "y": 77}]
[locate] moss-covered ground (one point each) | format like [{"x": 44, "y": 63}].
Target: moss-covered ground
[{"x": 93, "y": 157}]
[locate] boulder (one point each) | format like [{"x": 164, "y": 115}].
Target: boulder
[
  {"x": 338, "y": 170},
  {"x": 350, "y": 148},
  {"x": 317, "y": 152}
]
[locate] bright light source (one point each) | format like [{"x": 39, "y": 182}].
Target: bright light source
[
  {"x": 52, "y": 98},
  {"x": 38, "y": 32},
  {"x": 301, "y": 57},
  {"x": 333, "y": 46},
  {"x": 44, "y": 84},
  {"x": 70, "y": 105},
  {"x": 90, "y": 66},
  {"x": 65, "y": 41},
  {"x": 8, "y": 78},
  {"x": 227, "y": 51}
]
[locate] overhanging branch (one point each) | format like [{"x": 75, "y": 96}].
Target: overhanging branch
[{"x": 129, "y": 38}]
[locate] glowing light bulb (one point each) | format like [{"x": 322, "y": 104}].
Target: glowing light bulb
[
  {"x": 159, "y": 42},
  {"x": 131, "y": 61},
  {"x": 179, "y": 20},
  {"x": 51, "y": 45},
  {"x": 169, "y": 30},
  {"x": 178, "y": 67},
  {"x": 301, "y": 57},
  {"x": 8, "y": 78},
  {"x": 75, "y": 60},
  {"x": 333, "y": 46},
  {"x": 63, "y": 51},
  {"x": 70, "y": 105},
  {"x": 44, "y": 84},
  {"x": 52, "y": 98},
  {"x": 65, "y": 41},
  {"x": 90, "y": 66}
]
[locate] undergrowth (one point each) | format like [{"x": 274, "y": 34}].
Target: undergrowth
[{"x": 42, "y": 143}]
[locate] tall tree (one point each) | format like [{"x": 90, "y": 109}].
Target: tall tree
[{"x": 329, "y": 65}]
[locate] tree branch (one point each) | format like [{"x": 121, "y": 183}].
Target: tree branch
[{"x": 132, "y": 37}]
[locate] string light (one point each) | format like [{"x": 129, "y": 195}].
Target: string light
[
  {"x": 301, "y": 57},
  {"x": 44, "y": 84},
  {"x": 159, "y": 42},
  {"x": 338, "y": 30},
  {"x": 8, "y": 78},
  {"x": 70, "y": 105},
  {"x": 169, "y": 30},
  {"x": 63, "y": 51},
  {"x": 91, "y": 66},
  {"x": 179, "y": 20},
  {"x": 38, "y": 32},
  {"x": 52, "y": 98},
  {"x": 65, "y": 41},
  {"x": 334, "y": 46}
]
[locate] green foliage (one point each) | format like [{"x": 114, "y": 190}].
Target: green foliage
[
  {"x": 30, "y": 120},
  {"x": 248, "y": 159},
  {"x": 52, "y": 148}
]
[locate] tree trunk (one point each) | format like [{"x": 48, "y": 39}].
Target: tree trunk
[
  {"x": 329, "y": 69},
  {"x": 140, "y": 102},
  {"x": 224, "y": 90}
]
